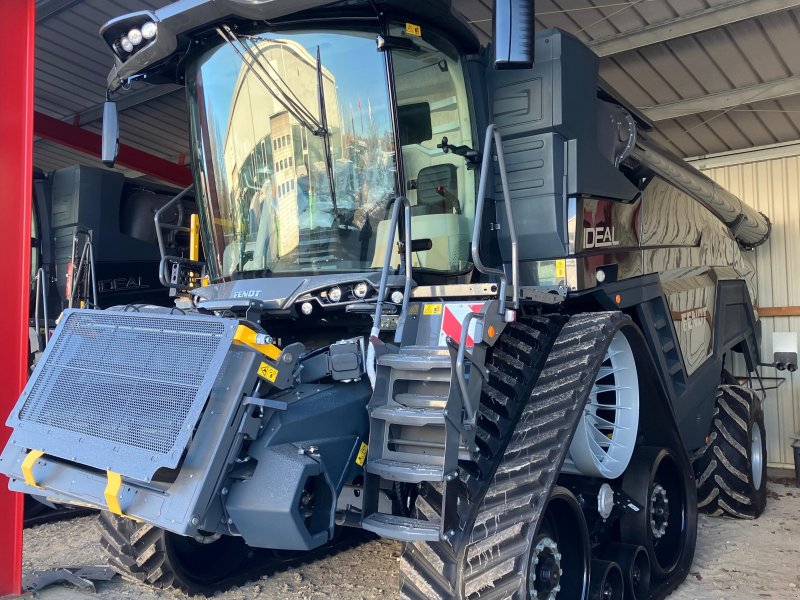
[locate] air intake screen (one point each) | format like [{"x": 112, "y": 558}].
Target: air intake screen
[{"x": 122, "y": 391}]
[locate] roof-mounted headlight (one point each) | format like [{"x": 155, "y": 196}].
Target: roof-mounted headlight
[
  {"x": 149, "y": 30},
  {"x": 135, "y": 36},
  {"x": 126, "y": 44}
]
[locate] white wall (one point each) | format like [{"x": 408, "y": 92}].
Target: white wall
[{"x": 773, "y": 187}]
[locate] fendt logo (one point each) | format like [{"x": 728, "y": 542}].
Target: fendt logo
[
  {"x": 599, "y": 237},
  {"x": 246, "y": 294},
  {"x": 691, "y": 319}
]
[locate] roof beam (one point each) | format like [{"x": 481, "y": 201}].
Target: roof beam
[
  {"x": 50, "y": 8},
  {"x": 74, "y": 137},
  {"x": 746, "y": 155},
  {"x": 709, "y": 18},
  {"x": 722, "y": 100},
  {"x": 129, "y": 100}
]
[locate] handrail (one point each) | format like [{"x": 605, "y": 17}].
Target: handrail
[
  {"x": 493, "y": 136},
  {"x": 41, "y": 297},
  {"x": 387, "y": 260},
  {"x": 162, "y": 248},
  {"x": 87, "y": 255}
]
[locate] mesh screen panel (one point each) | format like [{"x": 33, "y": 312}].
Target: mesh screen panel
[{"x": 132, "y": 383}]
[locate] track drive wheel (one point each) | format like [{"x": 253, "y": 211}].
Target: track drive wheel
[
  {"x": 732, "y": 471},
  {"x": 164, "y": 560},
  {"x": 560, "y": 553},
  {"x": 667, "y": 526}
]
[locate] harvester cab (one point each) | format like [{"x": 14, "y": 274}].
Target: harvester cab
[
  {"x": 454, "y": 298},
  {"x": 95, "y": 245}
]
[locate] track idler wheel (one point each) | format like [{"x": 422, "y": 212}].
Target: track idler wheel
[
  {"x": 656, "y": 481},
  {"x": 559, "y": 558},
  {"x": 635, "y": 566},
  {"x": 607, "y": 581}
]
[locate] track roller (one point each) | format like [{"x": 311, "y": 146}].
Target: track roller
[
  {"x": 656, "y": 481},
  {"x": 607, "y": 581},
  {"x": 560, "y": 552},
  {"x": 635, "y": 566}
]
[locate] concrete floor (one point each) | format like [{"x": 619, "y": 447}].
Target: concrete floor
[{"x": 735, "y": 560}]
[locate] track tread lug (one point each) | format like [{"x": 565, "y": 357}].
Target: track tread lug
[{"x": 520, "y": 456}]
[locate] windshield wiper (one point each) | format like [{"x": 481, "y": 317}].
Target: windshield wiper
[
  {"x": 323, "y": 115},
  {"x": 282, "y": 94}
]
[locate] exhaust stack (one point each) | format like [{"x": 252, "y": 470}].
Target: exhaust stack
[{"x": 513, "y": 35}]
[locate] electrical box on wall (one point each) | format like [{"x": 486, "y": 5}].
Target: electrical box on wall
[{"x": 784, "y": 350}]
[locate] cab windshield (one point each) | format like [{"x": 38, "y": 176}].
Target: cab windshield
[{"x": 295, "y": 157}]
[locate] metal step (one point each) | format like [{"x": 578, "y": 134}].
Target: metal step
[
  {"x": 437, "y": 375},
  {"x": 406, "y": 361},
  {"x": 420, "y": 400},
  {"x": 404, "y": 529},
  {"x": 403, "y": 415},
  {"x": 668, "y": 346},
  {"x": 397, "y": 470}
]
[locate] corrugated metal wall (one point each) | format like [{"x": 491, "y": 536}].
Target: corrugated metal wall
[{"x": 773, "y": 187}]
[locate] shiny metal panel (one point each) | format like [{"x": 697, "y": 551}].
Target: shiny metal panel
[{"x": 684, "y": 242}]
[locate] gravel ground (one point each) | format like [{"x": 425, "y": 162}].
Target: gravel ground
[{"x": 735, "y": 560}]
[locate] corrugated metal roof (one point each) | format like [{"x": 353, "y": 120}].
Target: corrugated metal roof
[
  {"x": 72, "y": 64},
  {"x": 745, "y": 53}
]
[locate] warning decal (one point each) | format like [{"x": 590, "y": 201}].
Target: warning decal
[
  {"x": 361, "y": 457},
  {"x": 452, "y": 319},
  {"x": 268, "y": 372}
]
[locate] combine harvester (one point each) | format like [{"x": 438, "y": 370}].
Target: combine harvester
[
  {"x": 456, "y": 299},
  {"x": 95, "y": 245}
]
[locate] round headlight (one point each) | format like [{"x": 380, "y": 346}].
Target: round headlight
[
  {"x": 126, "y": 44},
  {"x": 135, "y": 36},
  {"x": 360, "y": 290},
  {"x": 149, "y": 30},
  {"x": 306, "y": 308},
  {"x": 335, "y": 294},
  {"x": 396, "y": 297}
]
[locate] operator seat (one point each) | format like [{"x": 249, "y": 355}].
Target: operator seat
[{"x": 437, "y": 190}]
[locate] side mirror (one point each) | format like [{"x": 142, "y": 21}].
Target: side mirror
[
  {"x": 110, "y": 145},
  {"x": 513, "y": 37}
]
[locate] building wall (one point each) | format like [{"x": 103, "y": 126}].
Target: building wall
[{"x": 773, "y": 188}]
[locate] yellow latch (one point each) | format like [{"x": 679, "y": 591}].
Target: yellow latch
[
  {"x": 245, "y": 335},
  {"x": 27, "y": 467},
  {"x": 111, "y": 494}
]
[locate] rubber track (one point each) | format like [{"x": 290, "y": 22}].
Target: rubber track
[
  {"x": 135, "y": 551},
  {"x": 494, "y": 555}
]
